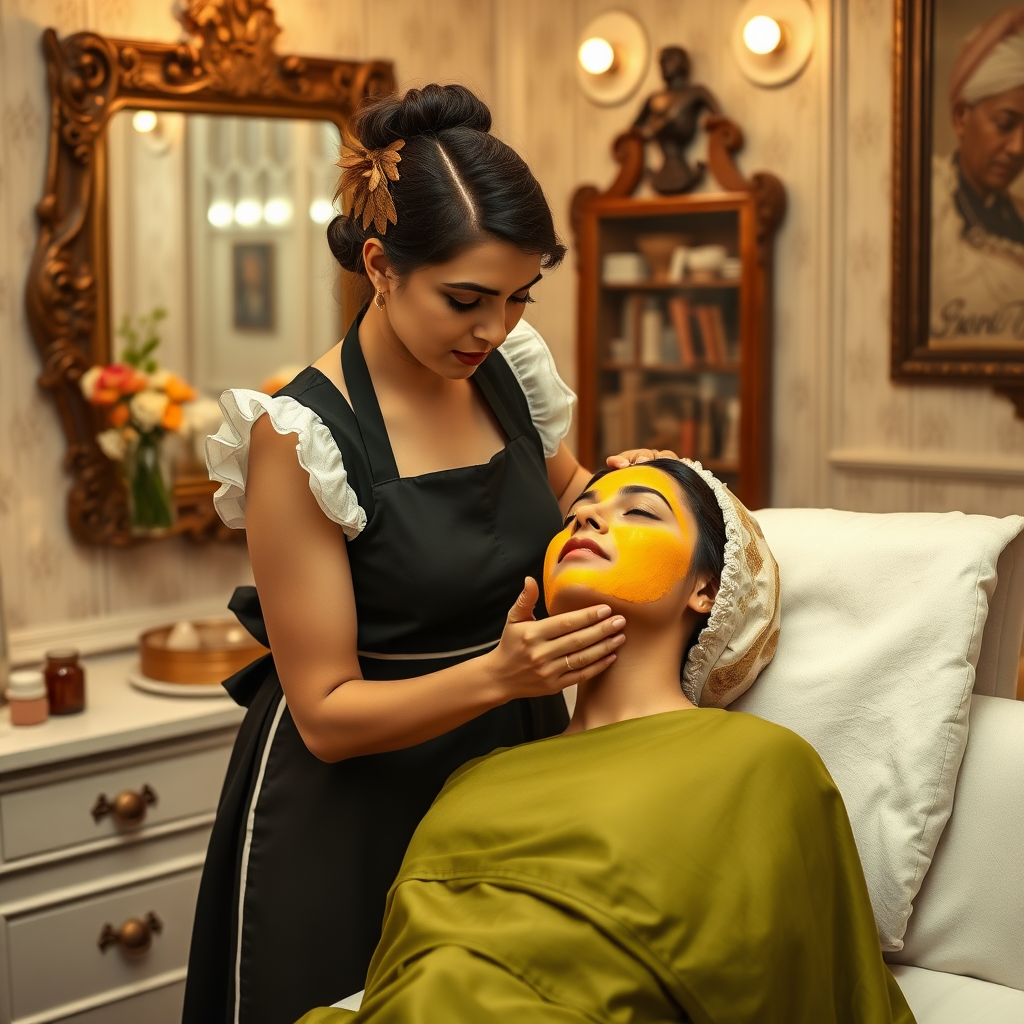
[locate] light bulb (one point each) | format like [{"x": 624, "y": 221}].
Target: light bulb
[
  {"x": 220, "y": 214},
  {"x": 596, "y": 55},
  {"x": 144, "y": 121},
  {"x": 762, "y": 34},
  {"x": 277, "y": 211},
  {"x": 248, "y": 212},
  {"x": 321, "y": 211}
]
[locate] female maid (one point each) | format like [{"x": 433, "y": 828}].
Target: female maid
[{"x": 443, "y": 464}]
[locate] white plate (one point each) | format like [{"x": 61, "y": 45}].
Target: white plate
[{"x": 141, "y": 682}]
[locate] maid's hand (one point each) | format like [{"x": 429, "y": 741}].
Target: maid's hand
[
  {"x": 637, "y": 455},
  {"x": 537, "y": 658}
]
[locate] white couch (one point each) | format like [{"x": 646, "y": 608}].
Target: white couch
[
  {"x": 963, "y": 958},
  {"x": 962, "y": 961}
]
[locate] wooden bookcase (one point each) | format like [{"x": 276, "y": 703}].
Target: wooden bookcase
[{"x": 683, "y": 364}]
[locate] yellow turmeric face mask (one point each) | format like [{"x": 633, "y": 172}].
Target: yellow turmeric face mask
[{"x": 628, "y": 537}]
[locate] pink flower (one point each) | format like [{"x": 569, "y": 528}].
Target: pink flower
[{"x": 125, "y": 380}]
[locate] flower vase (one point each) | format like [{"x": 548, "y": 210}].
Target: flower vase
[{"x": 150, "y": 487}]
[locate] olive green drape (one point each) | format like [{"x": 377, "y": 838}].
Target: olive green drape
[{"x": 695, "y": 865}]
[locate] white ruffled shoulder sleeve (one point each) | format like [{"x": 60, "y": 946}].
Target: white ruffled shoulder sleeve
[
  {"x": 227, "y": 458},
  {"x": 550, "y": 399}
]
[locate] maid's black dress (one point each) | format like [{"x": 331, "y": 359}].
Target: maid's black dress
[{"x": 302, "y": 852}]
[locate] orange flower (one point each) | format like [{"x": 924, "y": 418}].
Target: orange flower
[
  {"x": 137, "y": 382},
  {"x": 178, "y": 391},
  {"x": 106, "y": 396},
  {"x": 172, "y": 417},
  {"x": 118, "y": 415}
]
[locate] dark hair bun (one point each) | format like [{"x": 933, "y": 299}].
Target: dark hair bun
[
  {"x": 428, "y": 111},
  {"x": 457, "y": 185},
  {"x": 345, "y": 238}
]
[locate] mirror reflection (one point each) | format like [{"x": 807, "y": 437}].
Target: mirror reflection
[{"x": 220, "y": 221}]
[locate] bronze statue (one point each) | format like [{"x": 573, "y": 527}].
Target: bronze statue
[{"x": 671, "y": 118}]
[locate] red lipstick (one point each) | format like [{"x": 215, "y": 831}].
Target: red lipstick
[
  {"x": 578, "y": 544},
  {"x": 470, "y": 358}
]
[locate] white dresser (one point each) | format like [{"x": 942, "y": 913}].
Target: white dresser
[{"x": 104, "y": 821}]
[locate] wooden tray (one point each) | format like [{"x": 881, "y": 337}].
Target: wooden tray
[{"x": 225, "y": 648}]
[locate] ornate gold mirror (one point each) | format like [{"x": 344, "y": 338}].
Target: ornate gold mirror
[{"x": 194, "y": 179}]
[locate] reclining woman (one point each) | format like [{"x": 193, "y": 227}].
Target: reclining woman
[{"x": 690, "y": 864}]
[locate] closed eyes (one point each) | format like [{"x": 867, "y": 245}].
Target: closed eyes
[
  {"x": 643, "y": 512},
  {"x": 465, "y": 307}
]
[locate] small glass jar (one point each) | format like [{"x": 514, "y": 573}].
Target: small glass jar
[
  {"x": 65, "y": 682},
  {"x": 26, "y": 697}
]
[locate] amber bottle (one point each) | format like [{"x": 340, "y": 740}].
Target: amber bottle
[{"x": 65, "y": 682}]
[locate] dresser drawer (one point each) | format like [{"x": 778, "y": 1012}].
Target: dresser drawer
[
  {"x": 66, "y": 813},
  {"x": 55, "y": 956},
  {"x": 158, "y": 1006}
]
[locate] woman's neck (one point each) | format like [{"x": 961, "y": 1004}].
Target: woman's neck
[
  {"x": 643, "y": 679},
  {"x": 391, "y": 364}
]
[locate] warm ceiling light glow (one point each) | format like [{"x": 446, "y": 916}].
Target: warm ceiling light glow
[
  {"x": 220, "y": 214},
  {"x": 277, "y": 211},
  {"x": 762, "y": 34},
  {"x": 144, "y": 121},
  {"x": 248, "y": 212},
  {"x": 321, "y": 211},
  {"x": 596, "y": 55}
]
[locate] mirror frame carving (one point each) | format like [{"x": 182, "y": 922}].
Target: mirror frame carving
[{"x": 226, "y": 64}]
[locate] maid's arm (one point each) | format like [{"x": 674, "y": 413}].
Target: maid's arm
[{"x": 300, "y": 564}]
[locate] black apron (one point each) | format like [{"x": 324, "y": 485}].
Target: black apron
[{"x": 302, "y": 852}]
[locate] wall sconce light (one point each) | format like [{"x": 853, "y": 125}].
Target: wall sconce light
[
  {"x": 321, "y": 211},
  {"x": 772, "y": 40},
  {"x": 248, "y": 212},
  {"x": 144, "y": 121},
  {"x": 612, "y": 58},
  {"x": 277, "y": 212},
  {"x": 596, "y": 55},
  {"x": 221, "y": 213}
]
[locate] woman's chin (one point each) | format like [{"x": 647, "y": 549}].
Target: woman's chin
[{"x": 575, "y": 597}]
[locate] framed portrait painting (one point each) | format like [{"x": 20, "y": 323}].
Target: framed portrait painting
[
  {"x": 254, "y": 286},
  {"x": 958, "y": 194}
]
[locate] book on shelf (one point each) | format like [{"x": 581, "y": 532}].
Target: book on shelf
[
  {"x": 731, "y": 440},
  {"x": 613, "y": 434},
  {"x": 669, "y": 346},
  {"x": 718, "y": 334},
  {"x": 679, "y": 311},
  {"x": 651, "y": 325},
  {"x": 689, "y": 418},
  {"x": 700, "y": 350},
  {"x": 712, "y": 333}
]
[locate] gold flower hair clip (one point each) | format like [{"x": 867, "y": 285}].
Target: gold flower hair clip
[{"x": 366, "y": 174}]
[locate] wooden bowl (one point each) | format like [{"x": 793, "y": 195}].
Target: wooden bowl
[
  {"x": 657, "y": 250},
  {"x": 225, "y": 647}
]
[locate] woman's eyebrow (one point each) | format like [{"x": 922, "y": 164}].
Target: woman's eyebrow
[
  {"x": 469, "y": 286},
  {"x": 585, "y": 496},
  {"x": 640, "y": 489}
]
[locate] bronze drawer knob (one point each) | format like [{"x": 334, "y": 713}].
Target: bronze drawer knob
[
  {"x": 134, "y": 936},
  {"x": 128, "y": 807}
]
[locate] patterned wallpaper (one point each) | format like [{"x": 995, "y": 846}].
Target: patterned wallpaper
[{"x": 826, "y": 135}]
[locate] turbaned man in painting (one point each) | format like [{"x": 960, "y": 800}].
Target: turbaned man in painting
[{"x": 977, "y": 278}]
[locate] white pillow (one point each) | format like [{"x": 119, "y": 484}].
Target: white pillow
[{"x": 882, "y": 622}]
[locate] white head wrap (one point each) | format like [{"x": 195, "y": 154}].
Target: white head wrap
[
  {"x": 1001, "y": 71},
  {"x": 742, "y": 633}
]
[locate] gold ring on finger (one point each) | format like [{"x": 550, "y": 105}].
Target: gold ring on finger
[{"x": 568, "y": 667}]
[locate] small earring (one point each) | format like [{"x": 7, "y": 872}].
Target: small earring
[{"x": 378, "y": 300}]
